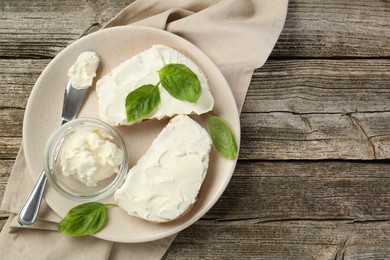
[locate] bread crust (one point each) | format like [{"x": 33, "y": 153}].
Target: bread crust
[
  {"x": 166, "y": 220},
  {"x": 188, "y": 209},
  {"x": 205, "y": 86},
  {"x": 190, "y": 206}
]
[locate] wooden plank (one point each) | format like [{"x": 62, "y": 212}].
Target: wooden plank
[
  {"x": 289, "y": 99},
  {"x": 297, "y": 109},
  {"x": 17, "y": 78},
  {"x": 41, "y": 29},
  {"x": 320, "y": 86},
  {"x": 333, "y": 28},
  {"x": 11, "y": 122},
  {"x": 5, "y": 168},
  {"x": 313, "y": 29},
  {"x": 255, "y": 216},
  {"x": 269, "y": 191},
  {"x": 277, "y": 136},
  {"x": 317, "y": 109},
  {"x": 327, "y": 190},
  {"x": 282, "y": 240},
  {"x": 299, "y": 86},
  {"x": 298, "y": 210},
  {"x": 9, "y": 147}
]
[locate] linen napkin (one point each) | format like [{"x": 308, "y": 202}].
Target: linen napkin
[{"x": 237, "y": 35}]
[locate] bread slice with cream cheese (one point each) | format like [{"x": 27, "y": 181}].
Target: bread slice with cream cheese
[
  {"x": 142, "y": 69},
  {"x": 165, "y": 182}
]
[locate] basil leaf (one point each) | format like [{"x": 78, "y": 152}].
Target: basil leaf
[
  {"x": 222, "y": 137},
  {"x": 84, "y": 219},
  {"x": 180, "y": 82},
  {"x": 141, "y": 102}
]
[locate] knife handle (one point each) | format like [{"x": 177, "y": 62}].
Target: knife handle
[{"x": 28, "y": 213}]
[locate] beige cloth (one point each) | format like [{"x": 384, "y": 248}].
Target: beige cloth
[{"x": 238, "y": 35}]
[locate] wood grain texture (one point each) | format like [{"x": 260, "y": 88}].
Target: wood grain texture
[
  {"x": 313, "y": 28},
  {"x": 295, "y": 109},
  {"x": 280, "y": 136},
  {"x": 43, "y": 28},
  {"x": 332, "y": 28},
  {"x": 320, "y": 86},
  {"x": 9, "y": 147},
  {"x": 317, "y": 109},
  {"x": 11, "y": 121},
  {"x": 17, "y": 78},
  {"x": 257, "y": 213},
  {"x": 342, "y": 208},
  {"x": 324, "y": 94},
  {"x": 268, "y": 191},
  {"x": 282, "y": 240}
]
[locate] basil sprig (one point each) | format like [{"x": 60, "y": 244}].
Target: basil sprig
[
  {"x": 177, "y": 79},
  {"x": 142, "y": 102},
  {"x": 222, "y": 137},
  {"x": 84, "y": 219},
  {"x": 180, "y": 82}
]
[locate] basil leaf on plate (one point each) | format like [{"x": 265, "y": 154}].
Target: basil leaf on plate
[
  {"x": 222, "y": 137},
  {"x": 141, "y": 102},
  {"x": 180, "y": 82},
  {"x": 84, "y": 219}
]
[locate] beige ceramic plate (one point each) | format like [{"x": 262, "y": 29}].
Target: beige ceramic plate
[{"x": 114, "y": 45}]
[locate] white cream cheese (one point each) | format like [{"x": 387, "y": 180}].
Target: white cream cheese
[
  {"x": 83, "y": 71},
  {"x": 165, "y": 182},
  {"x": 139, "y": 70},
  {"x": 90, "y": 156}
]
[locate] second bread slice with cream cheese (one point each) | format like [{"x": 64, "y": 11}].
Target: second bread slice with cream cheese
[
  {"x": 142, "y": 69},
  {"x": 165, "y": 182}
]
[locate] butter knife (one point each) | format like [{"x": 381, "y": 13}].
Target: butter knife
[{"x": 73, "y": 100}]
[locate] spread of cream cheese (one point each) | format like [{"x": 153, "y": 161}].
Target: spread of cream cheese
[
  {"x": 139, "y": 70},
  {"x": 90, "y": 156},
  {"x": 165, "y": 182},
  {"x": 83, "y": 71}
]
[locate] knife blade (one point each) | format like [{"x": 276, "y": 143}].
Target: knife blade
[{"x": 73, "y": 100}]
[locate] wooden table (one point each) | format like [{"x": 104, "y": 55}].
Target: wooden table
[{"x": 313, "y": 178}]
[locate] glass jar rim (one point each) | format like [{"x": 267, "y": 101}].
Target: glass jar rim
[{"x": 56, "y": 141}]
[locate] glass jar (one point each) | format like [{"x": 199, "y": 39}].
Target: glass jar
[{"x": 69, "y": 186}]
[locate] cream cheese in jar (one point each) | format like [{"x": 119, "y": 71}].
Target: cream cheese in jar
[{"x": 90, "y": 156}]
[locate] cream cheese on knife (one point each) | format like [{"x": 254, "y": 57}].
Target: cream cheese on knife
[
  {"x": 139, "y": 70},
  {"x": 83, "y": 71}
]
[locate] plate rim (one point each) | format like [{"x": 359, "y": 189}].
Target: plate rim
[{"x": 29, "y": 110}]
